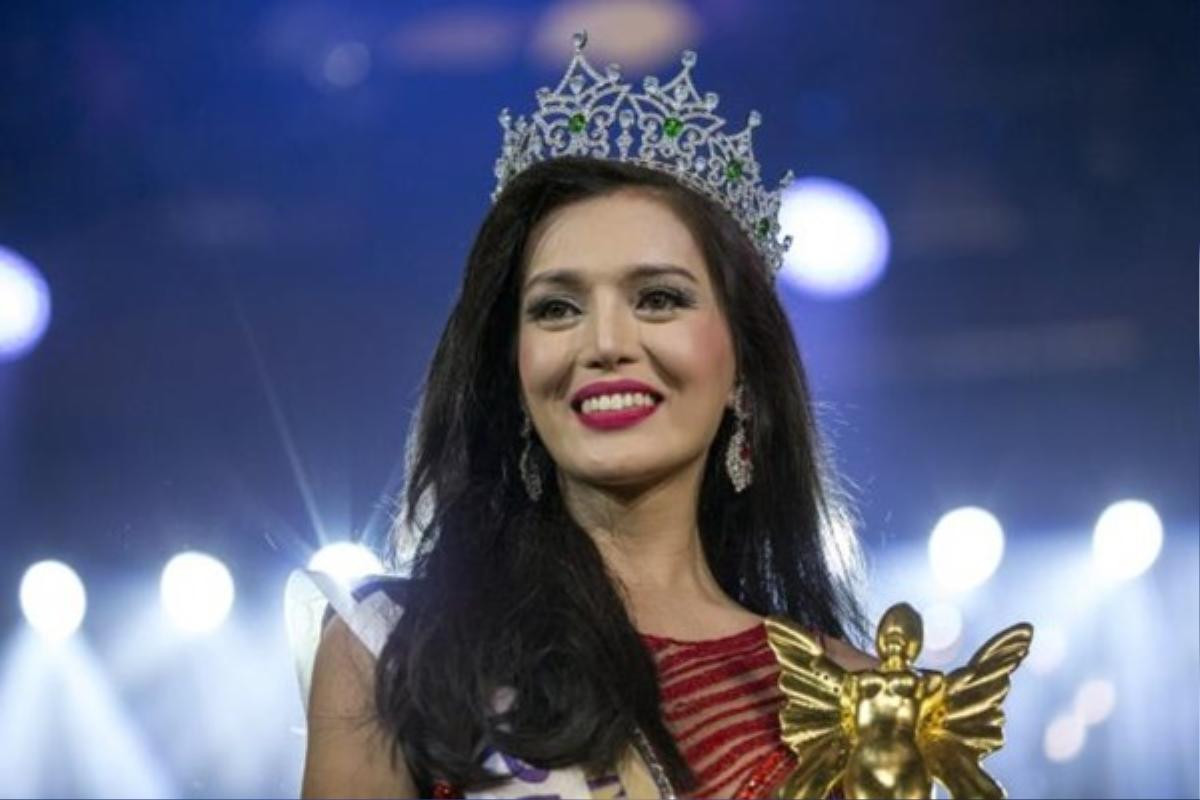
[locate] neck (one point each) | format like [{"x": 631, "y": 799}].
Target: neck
[{"x": 650, "y": 541}]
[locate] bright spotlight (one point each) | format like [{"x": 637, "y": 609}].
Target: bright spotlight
[
  {"x": 1065, "y": 736},
  {"x": 965, "y": 548},
  {"x": 1095, "y": 700},
  {"x": 840, "y": 242},
  {"x": 196, "y": 591},
  {"x": 53, "y": 599},
  {"x": 345, "y": 562},
  {"x": 943, "y": 626},
  {"x": 24, "y": 305},
  {"x": 1127, "y": 539}
]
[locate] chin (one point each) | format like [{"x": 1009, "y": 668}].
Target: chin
[{"x": 617, "y": 474}]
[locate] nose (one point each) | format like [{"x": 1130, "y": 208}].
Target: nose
[{"x": 611, "y": 335}]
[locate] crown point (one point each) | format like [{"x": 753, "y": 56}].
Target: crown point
[
  {"x": 579, "y": 40},
  {"x": 754, "y": 120},
  {"x": 505, "y": 117},
  {"x": 710, "y": 100},
  {"x": 788, "y": 177},
  {"x": 650, "y": 84},
  {"x": 613, "y": 72},
  {"x": 542, "y": 94},
  {"x": 689, "y": 58}
]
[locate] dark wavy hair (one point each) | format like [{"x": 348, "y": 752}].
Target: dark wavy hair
[{"x": 505, "y": 591}]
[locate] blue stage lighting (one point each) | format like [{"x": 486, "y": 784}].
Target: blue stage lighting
[
  {"x": 1126, "y": 540},
  {"x": 840, "y": 241},
  {"x": 24, "y": 305},
  {"x": 965, "y": 548},
  {"x": 196, "y": 591},
  {"x": 345, "y": 561},
  {"x": 53, "y": 599}
]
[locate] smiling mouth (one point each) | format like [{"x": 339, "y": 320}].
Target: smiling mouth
[
  {"x": 612, "y": 404},
  {"x": 609, "y": 413}
]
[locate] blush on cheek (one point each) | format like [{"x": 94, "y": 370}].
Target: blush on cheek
[{"x": 710, "y": 347}]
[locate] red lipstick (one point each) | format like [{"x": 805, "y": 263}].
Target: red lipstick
[{"x": 614, "y": 418}]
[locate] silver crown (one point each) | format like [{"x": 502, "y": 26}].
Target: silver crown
[{"x": 670, "y": 128}]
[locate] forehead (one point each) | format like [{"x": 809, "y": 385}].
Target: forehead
[{"x": 606, "y": 234}]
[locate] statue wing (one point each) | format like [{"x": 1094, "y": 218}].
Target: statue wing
[
  {"x": 961, "y": 720},
  {"x": 817, "y": 718}
]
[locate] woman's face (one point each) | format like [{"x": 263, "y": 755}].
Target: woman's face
[{"x": 615, "y": 288}]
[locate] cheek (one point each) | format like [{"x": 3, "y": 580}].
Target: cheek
[
  {"x": 704, "y": 352},
  {"x": 539, "y": 361}
]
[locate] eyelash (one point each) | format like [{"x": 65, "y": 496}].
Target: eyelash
[{"x": 678, "y": 298}]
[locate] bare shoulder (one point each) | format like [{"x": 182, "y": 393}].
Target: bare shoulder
[
  {"x": 348, "y": 751},
  {"x": 847, "y": 656}
]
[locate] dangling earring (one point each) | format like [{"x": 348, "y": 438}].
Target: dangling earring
[
  {"x": 529, "y": 473},
  {"x": 737, "y": 454}
]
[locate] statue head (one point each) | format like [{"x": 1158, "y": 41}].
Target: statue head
[{"x": 900, "y": 634}]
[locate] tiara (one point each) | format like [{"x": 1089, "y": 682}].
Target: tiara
[{"x": 669, "y": 127}]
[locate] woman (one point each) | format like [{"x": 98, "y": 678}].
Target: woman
[{"x": 616, "y": 476}]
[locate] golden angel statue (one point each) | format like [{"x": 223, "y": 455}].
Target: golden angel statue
[{"x": 889, "y": 732}]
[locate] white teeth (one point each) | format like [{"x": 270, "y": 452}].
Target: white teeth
[{"x": 616, "y": 402}]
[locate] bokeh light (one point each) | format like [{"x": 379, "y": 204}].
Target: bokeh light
[
  {"x": 196, "y": 591},
  {"x": 965, "y": 548},
  {"x": 345, "y": 561},
  {"x": 840, "y": 242},
  {"x": 24, "y": 305},
  {"x": 943, "y": 626},
  {"x": 1064, "y": 738},
  {"x": 53, "y": 599},
  {"x": 346, "y": 64},
  {"x": 1126, "y": 540},
  {"x": 1095, "y": 700}
]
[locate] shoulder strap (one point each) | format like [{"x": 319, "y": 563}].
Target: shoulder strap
[{"x": 368, "y": 611}]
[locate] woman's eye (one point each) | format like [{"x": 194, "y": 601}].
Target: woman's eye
[
  {"x": 665, "y": 299},
  {"x": 546, "y": 309},
  {"x": 654, "y": 300}
]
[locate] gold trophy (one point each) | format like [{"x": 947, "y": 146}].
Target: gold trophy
[{"x": 890, "y": 732}]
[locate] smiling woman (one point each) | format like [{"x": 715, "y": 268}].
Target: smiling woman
[
  {"x": 614, "y": 476},
  {"x": 660, "y": 329}
]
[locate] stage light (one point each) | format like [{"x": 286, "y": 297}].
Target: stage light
[
  {"x": 345, "y": 562},
  {"x": 943, "y": 626},
  {"x": 53, "y": 599},
  {"x": 1126, "y": 540},
  {"x": 840, "y": 242},
  {"x": 1095, "y": 700},
  {"x": 638, "y": 35},
  {"x": 24, "y": 305},
  {"x": 965, "y": 548},
  {"x": 1064, "y": 738},
  {"x": 346, "y": 64},
  {"x": 196, "y": 591}
]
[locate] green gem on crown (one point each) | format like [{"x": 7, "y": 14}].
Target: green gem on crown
[
  {"x": 764, "y": 226},
  {"x": 673, "y": 126},
  {"x": 576, "y": 123},
  {"x": 734, "y": 170}
]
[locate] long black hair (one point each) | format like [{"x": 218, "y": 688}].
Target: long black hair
[{"x": 505, "y": 591}]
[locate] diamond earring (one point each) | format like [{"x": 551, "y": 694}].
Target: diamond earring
[
  {"x": 737, "y": 455},
  {"x": 529, "y": 472}
]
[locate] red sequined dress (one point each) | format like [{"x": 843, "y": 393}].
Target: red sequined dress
[{"x": 721, "y": 701}]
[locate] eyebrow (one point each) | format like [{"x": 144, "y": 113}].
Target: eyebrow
[{"x": 573, "y": 279}]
